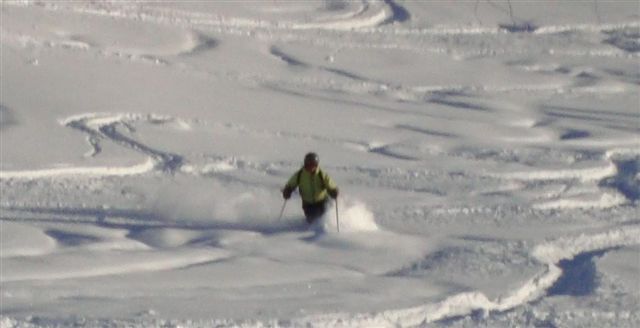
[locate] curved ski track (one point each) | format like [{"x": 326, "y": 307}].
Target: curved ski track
[
  {"x": 101, "y": 127},
  {"x": 367, "y": 19}
]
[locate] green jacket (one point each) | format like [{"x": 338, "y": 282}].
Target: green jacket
[{"x": 313, "y": 186}]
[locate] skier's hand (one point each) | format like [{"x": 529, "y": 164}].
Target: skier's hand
[
  {"x": 333, "y": 193},
  {"x": 286, "y": 193}
]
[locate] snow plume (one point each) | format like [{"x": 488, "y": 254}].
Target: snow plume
[
  {"x": 353, "y": 215},
  {"x": 212, "y": 204}
]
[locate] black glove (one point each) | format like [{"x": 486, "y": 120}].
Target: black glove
[
  {"x": 286, "y": 192},
  {"x": 333, "y": 193}
]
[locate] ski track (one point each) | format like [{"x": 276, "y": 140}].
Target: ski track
[
  {"x": 104, "y": 127},
  {"x": 362, "y": 16},
  {"x": 99, "y": 127},
  {"x": 614, "y": 175},
  {"x": 549, "y": 253},
  {"x": 365, "y": 18}
]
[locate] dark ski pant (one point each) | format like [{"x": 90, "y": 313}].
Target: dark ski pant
[{"x": 313, "y": 211}]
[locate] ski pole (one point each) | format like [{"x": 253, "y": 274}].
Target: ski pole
[
  {"x": 337, "y": 217},
  {"x": 282, "y": 210}
]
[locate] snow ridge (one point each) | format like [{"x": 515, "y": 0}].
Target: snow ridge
[
  {"x": 104, "y": 126},
  {"x": 492, "y": 148},
  {"x": 549, "y": 253}
]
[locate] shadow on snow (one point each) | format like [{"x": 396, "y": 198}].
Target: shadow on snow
[{"x": 135, "y": 220}]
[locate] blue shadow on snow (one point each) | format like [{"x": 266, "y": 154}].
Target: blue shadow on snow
[{"x": 579, "y": 275}]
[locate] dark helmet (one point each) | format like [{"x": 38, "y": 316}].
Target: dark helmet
[{"x": 311, "y": 159}]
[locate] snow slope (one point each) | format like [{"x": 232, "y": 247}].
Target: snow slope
[{"x": 487, "y": 152}]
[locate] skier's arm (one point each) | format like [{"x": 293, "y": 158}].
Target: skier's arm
[
  {"x": 332, "y": 188},
  {"x": 290, "y": 186}
]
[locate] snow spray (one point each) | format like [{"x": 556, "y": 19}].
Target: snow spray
[
  {"x": 214, "y": 203},
  {"x": 354, "y": 217}
]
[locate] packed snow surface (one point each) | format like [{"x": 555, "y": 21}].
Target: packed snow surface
[{"x": 487, "y": 154}]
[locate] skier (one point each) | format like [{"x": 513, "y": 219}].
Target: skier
[{"x": 314, "y": 186}]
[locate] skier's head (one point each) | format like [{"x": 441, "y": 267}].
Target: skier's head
[{"x": 311, "y": 161}]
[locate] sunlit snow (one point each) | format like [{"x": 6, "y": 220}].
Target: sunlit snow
[{"x": 487, "y": 154}]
